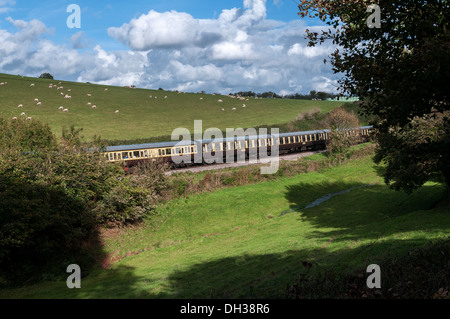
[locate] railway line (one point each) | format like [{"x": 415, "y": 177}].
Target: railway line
[{"x": 210, "y": 167}]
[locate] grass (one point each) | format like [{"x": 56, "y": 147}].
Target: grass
[
  {"x": 140, "y": 116},
  {"x": 233, "y": 243}
]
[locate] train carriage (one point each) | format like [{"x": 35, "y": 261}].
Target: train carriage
[{"x": 234, "y": 148}]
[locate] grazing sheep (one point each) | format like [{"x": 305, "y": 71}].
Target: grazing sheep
[
  {"x": 39, "y": 104},
  {"x": 244, "y": 106},
  {"x": 165, "y": 97},
  {"x": 28, "y": 118},
  {"x": 94, "y": 106},
  {"x": 22, "y": 114},
  {"x": 220, "y": 101},
  {"x": 61, "y": 108},
  {"x": 223, "y": 109},
  {"x": 32, "y": 85},
  {"x": 233, "y": 109},
  {"x": 65, "y": 110},
  {"x": 150, "y": 96},
  {"x": 2, "y": 83},
  {"x": 20, "y": 106},
  {"x": 67, "y": 97},
  {"x": 36, "y": 100},
  {"x": 89, "y": 103},
  {"x": 69, "y": 90},
  {"x": 117, "y": 112},
  {"x": 14, "y": 118},
  {"x": 89, "y": 95},
  {"x": 201, "y": 99},
  {"x": 106, "y": 90},
  {"x": 62, "y": 94}
]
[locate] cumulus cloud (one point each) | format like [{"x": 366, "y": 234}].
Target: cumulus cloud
[{"x": 240, "y": 50}]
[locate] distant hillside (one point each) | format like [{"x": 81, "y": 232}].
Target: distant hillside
[{"x": 141, "y": 113}]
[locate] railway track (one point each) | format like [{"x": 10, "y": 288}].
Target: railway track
[{"x": 209, "y": 167}]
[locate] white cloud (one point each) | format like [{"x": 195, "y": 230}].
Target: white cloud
[
  {"x": 6, "y": 5},
  {"x": 240, "y": 50}
]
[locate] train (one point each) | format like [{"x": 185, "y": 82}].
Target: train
[{"x": 236, "y": 147}]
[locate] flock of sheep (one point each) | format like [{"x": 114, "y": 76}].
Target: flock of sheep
[
  {"x": 93, "y": 106},
  {"x": 233, "y": 97},
  {"x": 61, "y": 108}
]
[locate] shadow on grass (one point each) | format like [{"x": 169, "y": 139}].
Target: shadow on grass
[
  {"x": 272, "y": 276},
  {"x": 348, "y": 228}
]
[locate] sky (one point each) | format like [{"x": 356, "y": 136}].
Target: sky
[{"x": 186, "y": 45}]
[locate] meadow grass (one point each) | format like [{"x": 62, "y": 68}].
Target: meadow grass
[
  {"x": 235, "y": 242},
  {"x": 139, "y": 115}
]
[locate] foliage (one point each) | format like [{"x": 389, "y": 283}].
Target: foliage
[
  {"x": 340, "y": 141},
  {"x": 423, "y": 273},
  {"x": 46, "y": 76},
  {"x": 54, "y": 195},
  {"x": 414, "y": 156},
  {"x": 400, "y": 72}
]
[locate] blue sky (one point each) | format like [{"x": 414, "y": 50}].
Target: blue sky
[{"x": 196, "y": 45}]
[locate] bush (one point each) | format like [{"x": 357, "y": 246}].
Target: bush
[
  {"x": 46, "y": 76},
  {"x": 53, "y": 197},
  {"x": 41, "y": 226}
]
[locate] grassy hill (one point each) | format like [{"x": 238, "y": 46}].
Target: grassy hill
[
  {"x": 237, "y": 243},
  {"x": 139, "y": 115}
]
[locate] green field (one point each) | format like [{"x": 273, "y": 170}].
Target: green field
[
  {"x": 235, "y": 242},
  {"x": 139, "y": 115}
]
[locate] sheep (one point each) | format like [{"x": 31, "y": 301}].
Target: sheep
[
  {"x": 233, "y": 109},
  {"x": 201, "y": 99},
  {"x": 150, "y": 96},
  {"x": 67, "y": 97},
  {"x": 14, "y": 118},
  {"x": 223, "y": 109},
  {"x": 61, "y": 108},
  {"x": 65, "y": 110},
  {"x": 89, "y": 103},
  {"x": 165, "y": 97},
  {"x": 2, "y": 83},
  {"x": 36, "y": 100},
  {"x": 69, "y": 90},
  {"x": 94, "y": 106},
  {"x": 244, "y": 106},
  {"x": 220, "y": 101},
  {"x": 32, "y": 85},
  {"x": 20, "y": 106},
  {"x": 22, "y": 114},
  {"x": 29, "y": 118},
  {"x": 89, "y": 94},
  {"x": 39, "y": 104},
  {"x": 106, "y": 90},
  {"x": 117, "y": 112}
]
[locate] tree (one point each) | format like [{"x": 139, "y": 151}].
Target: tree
[
  {"x": 46, "y": 76},
  {"x": 339, "y": 121},
  {"x": 400, "y": 70}
]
